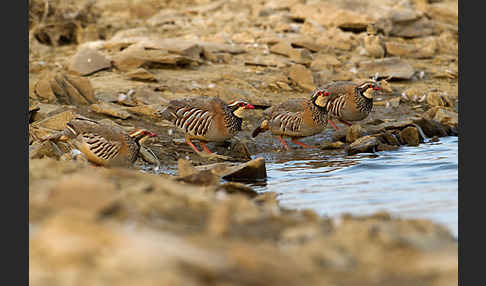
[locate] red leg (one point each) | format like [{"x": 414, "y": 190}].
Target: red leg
[
  {"x": 333, "y": 125},
  {"x": 284, "y": 143},
  {"x": 188, "y": 141},
  {"x": 303, "y": 144},
  {"x": 205, "y": 148},
  {"x": 346, "y": 122}
]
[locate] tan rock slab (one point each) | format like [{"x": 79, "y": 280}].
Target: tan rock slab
[
  {"x": 387, "y": 67},
  {"x": 110, "y": 109},
  {"x": 88, "y": 61},
  {"x": 302, "y": 76}
]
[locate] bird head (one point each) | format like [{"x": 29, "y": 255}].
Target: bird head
[
  {"x": 141, "y": 135},
  {"x": 238, "y": 107},
  {"x": 320, "y": 97},
  {"x": 367, "y": 88}
]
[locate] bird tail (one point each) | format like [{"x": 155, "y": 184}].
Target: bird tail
[{"x": 262, "y": 128}]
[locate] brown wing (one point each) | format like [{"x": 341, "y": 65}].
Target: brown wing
[
  {"x": 97, "y": 148},
  {"x": 291, "y": 105}
]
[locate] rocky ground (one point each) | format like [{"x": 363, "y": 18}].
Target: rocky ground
[{"x": 119, "y": 61}]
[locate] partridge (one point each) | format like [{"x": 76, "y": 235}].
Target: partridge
[
  {"x": 296, "y": 118},
  {"x": 103, "y": 144},
  {"x": 206, "y": 119},
  {"x": 350, "y": 101}
]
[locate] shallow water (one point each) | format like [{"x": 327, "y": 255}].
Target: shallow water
[{"x": 411, "y": 182}]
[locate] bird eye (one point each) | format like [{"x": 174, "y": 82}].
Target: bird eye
[{"x": 241, "y": 104}]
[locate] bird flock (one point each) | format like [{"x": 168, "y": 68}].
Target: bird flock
[{"x": 209, "y": 119}]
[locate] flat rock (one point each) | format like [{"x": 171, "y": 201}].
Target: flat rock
[
  {"x": 88, "y": 61},
  {"x": 238, "y": 188},
  {"x": 365, "y": 144},
  {"x": 253, "y": 170},
  {"x": 141, "y": 74},
  {"x": 137, "y": 55},
  {"x": 111, "y": 109},
  {"x": 420, "y": 27},
  {"x": 57, "y": 121},
  {"x": 302, "y": 76},
  {"x": 387, "y": 67}
]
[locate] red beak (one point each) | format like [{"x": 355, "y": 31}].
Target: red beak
[
  {"x": 376, "y": 88},
  {"x": 249, "y": 106},
  {"x": 153, "y": 134}
]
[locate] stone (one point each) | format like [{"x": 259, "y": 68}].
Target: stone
[
  {"x": 388, "y": 67},
  {"x": 39, "y": 150},
  {"x": 324, "y": 61},
  {"x": 283, "y": 48},
  {"x": 302, "y": 76},
  {"x": 413, "y": 28},
  {"x": 443, "y": 115},
  {"x": 374, "y": 46},
  {"x": 438, "y": 99},
  {"x": 331, "y": 145},
  {"x": 425, "y": 50},
  {"x": 431, "y": 128},
  {"x": 142, "y": 75},
  {"x": 354, "y": 132},
  {"x": 65, "y": 89},
  {"x": 365, "y": 144},
  {"x": 238, "y": 188},
  {"x": 85, "y": 193},
  {"x": 57, "y": 121},
  {"x": 136, "y": 55},
  {"x": 410, "y": 136},
  {"x": 111, "y": 109},
  {"x": 88, "y": 61},
  {"x": 253, "y": 170}
]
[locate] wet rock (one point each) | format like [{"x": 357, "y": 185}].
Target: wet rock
[
  {"x": 354, "y": 132},
  {"x": 390, "y": 138},
  {"x": 365, "y": 144},
  {"x": 331, "y": 145},
  {"x": 387, "y": 67},
  {"x": 238, "y": 188},
  {"x": 410, "y": 136},
  {"x": 110, "y": 109},
  {"x": 253, "y": 170},
  {"x": 386, "y": 147},
  {"x": 88, "y": 61},
  {"x": 141, "y": 74},
  {"x": 340, "y": 135},
  {"x": 301, "y": 76},
  {"x": 431, "y": 128}
]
